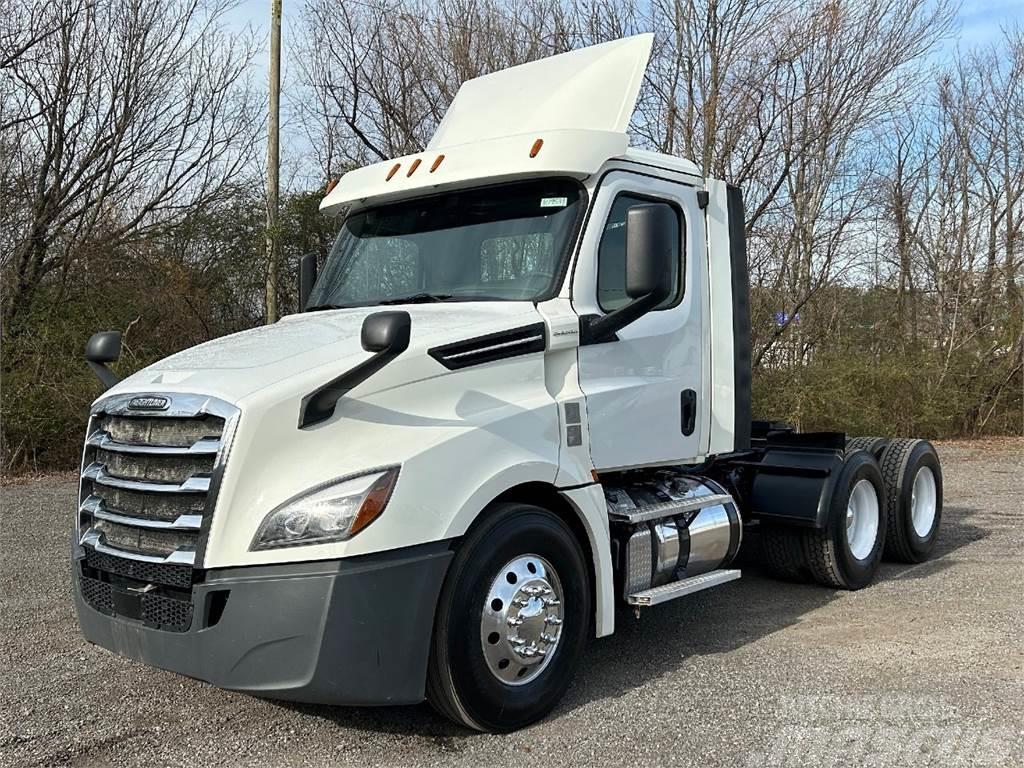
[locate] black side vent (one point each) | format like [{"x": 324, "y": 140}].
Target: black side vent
[{"x": 493, "y": 346}]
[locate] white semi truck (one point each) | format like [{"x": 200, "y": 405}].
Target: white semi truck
[{"x": 517, "y": 397}]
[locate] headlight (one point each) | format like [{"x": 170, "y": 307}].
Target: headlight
[{"x": 335, "y": 511}]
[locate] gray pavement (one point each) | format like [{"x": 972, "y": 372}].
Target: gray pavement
[{"x": 925, "y": 667}]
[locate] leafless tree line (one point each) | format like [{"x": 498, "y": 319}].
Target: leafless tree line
[{"x": 119, "y": 118}]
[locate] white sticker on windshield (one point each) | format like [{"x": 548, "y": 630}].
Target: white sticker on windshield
[{"x": 554, "y": 202}]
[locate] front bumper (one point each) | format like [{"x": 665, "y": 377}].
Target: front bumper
[{"x": 355, "y": 631}]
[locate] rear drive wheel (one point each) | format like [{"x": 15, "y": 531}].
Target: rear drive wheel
[
  {"x": 783, "y": 553},
  {"x": 913, "y": 499},
  {"x": 873, "y": 445},
  {"x": 846, "y": 554},
  {"x": 512, "y": 621}
]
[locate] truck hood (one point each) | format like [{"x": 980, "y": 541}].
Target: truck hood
[{"x": 238, "y": 365}]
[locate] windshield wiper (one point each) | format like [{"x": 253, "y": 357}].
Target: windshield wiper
[
  {"x": 322, "y": 307},
  {"x": 417, "y": 298}
]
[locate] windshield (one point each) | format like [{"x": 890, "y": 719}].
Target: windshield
[{"x": 500, "y": 243}]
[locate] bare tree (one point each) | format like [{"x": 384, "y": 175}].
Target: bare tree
[{"x": 120, "y": 116}]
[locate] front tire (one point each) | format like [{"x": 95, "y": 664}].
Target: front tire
[{"x": 512, "y": 621}]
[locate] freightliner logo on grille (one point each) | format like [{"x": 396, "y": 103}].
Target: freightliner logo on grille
[{"x": 149, "y": 403}]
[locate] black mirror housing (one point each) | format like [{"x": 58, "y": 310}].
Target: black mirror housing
[
  {"x": 650, "y": 231},
  {"x": 386, "y": 332},
  {"x": 104, "y": 347},
  {"x": 650, "y": 244},
  {"x": 307, "y": 277}
]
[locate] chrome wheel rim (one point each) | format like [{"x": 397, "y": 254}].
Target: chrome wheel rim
[
  {"x": 862, "y": 519},
  {"x": 521, "y": 621},
  {"x": 923, "y": 502}
]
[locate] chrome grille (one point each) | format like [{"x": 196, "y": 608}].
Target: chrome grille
[{"x": 149, "y": 482}]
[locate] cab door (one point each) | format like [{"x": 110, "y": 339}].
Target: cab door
[{"x": 645, "y": 391}]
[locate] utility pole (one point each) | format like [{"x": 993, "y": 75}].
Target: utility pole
[{"x": 273, "y": 161}]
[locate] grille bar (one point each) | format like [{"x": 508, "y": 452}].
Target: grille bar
[
  {"x": 95, "y": 507},
  {"x": 205, "y": 445},
  {"x": 98, "y": 473},
  {"x": 94, "y": 539}
]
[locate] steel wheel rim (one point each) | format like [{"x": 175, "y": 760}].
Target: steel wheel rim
[
  {"x": 862, "y": 519},
  {"x": 923, "y": 502},
  {"x": 521, "y": 620}
]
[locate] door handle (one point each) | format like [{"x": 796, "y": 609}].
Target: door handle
[{"x": 688, "y": 411}]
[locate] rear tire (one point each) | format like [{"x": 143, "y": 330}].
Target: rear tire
[
  {"x": 873, "y": 445},
  {"x": 913, "y": 499},
  {"x": 485, "y": 671},
  {"x": 783, "y": 552},
  {"x": 846, "y": 554}
]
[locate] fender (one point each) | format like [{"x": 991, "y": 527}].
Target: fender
[{"x": 587, "y": 503}]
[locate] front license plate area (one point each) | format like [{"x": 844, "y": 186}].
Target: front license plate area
[{"x": 127, "y": 604}]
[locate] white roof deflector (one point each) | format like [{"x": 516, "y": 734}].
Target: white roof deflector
[
  {"x": 593, "y": 88},
  {"x": 565, "y": 115}
]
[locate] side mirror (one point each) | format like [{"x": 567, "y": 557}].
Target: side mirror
[
  {"x": 651, "y": 232},
  {"x": 102, "y": 348},
  {"x": 384, "y": 333},
  {"x": 307, "y": 277}
]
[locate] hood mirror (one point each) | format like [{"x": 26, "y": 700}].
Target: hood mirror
[
  {"x": 102, "y": 348},
  {"x": 386, "y": 334},
  {"x": 386, "y": 331}
]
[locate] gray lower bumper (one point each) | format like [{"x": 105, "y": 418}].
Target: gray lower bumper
[{"x": 354, "y": 631}]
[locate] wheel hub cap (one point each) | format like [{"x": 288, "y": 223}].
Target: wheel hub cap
[
  {"x": 862, "y": 519},
  {"x": 923, "y": 502},
  {"x": 521, "y": 622}
]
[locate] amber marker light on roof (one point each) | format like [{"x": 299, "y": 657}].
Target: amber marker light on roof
[
  {"x": 437, "y": 163},
  {"x": 413, "y": 167},
  {"x": 393, "y": 171},
  {"x": 536, "y": 147},
  {"x": 331, "y": 184}
]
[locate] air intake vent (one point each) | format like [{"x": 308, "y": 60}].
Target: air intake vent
[{"x": 492, "y": 347}]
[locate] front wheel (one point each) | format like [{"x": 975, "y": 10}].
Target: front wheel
[{"x": 512, "y": 621}]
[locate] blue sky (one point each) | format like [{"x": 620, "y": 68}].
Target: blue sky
[{"x": 980, "y": 20}]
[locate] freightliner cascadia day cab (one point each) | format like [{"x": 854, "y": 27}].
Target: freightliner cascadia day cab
[{"x": 517, "y": 397}]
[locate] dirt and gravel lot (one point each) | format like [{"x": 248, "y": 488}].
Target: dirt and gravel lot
[{"x": 926, "y": 667}]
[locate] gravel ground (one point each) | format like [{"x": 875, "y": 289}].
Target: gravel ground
[{"x": 926, "y": 667}]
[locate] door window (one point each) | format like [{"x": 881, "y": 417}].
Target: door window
[{"x": 611, "y": 256}]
